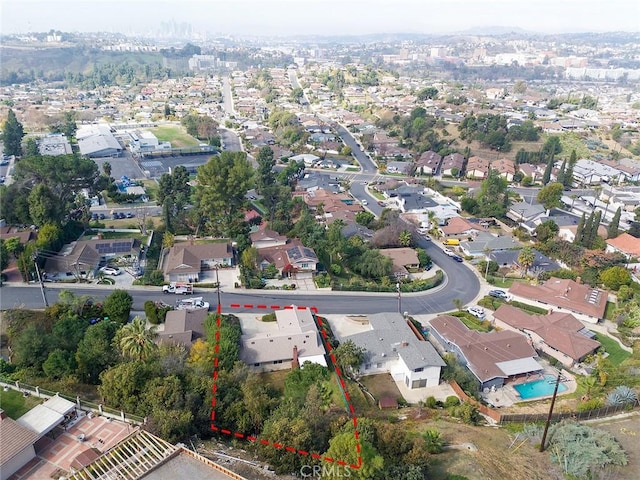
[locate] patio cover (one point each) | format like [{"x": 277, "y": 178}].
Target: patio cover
[
  {"x": 518, "y": 366},
  {"x": 45, "y": 417}
]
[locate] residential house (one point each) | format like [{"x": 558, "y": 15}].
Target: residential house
[
  {"x": 524, "y": 212},
  {"x": 532, "y": 171},
  {"x": 399, "y": 167},
  {"x": 460, "y": 227},
  {"x": 290, "y": 259},
  {"x": 493, "y": 357},
  {"x": 83, "y": 257},
  {"x": 590, "y": 172},
  {"x": 183, "y": 327},
  {"x": 626, "y": 244},
  {"x": 265, "y": 238},
  {"x": 296, "y": 336},
  {"x": 402, "y": 259},
  {"x": 189, "y": 262},
  {"x": 505, "y": 168},
  {"x": 509, "y": 259},
  {"x": 628, "y": 168},
  {"x": 23, "y": 236},
  {"x": 452, "y": 165},
  {"x": 557, "y": 334},
  {"x": 477, "y": 168},
  {"x": 570, "y": 295},
  {"x": 392, "y": 345},
  {"x": 488, "y": 242},
  {"x": 568, "y": 232},
  {"x": 355, "y": 229},
  {"x": 17, "y": 446},
  {"x": 428, "y": 163}
]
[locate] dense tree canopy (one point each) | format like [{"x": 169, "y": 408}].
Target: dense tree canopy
[
  {"x": 12, "y": 134},
  {"x": 220, "y": 194}
]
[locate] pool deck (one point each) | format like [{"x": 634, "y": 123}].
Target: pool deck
[{"x": 507, "y": 396}]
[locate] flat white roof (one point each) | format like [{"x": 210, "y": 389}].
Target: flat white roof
[
  {"x": 518, "y": 366},
  {"x": 44, "y": 418}
]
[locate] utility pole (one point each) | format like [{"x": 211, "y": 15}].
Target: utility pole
[
  {"x": 219, "y": 310},
  {"x": 44, "y": 295},
  {"x": 553, "y": 401},
  {"x": 399, "y": 298}
]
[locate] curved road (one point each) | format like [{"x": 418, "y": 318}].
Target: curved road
[{"x": 461, "y": 283}]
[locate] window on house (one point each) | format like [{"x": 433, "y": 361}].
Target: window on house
[
  {"x": 419, "y": 383},
  {"x": 378, "y": 365},
  {"x": 256, "y": 364},
  {"x": 277, "y": 362},
  {"x": 418, "y": 369}
]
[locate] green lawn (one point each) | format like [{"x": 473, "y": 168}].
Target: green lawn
[
  {"x": 608, "y": 313},
  {"x": 176, "y": 135},
  {"x": 15, "y": 404},
  {"x": 616, "y": 354}
]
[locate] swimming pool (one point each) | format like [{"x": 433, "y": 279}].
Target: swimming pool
[{"x": 539, "y": 388}]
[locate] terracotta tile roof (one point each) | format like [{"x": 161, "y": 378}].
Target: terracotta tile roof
[
  {"x": 484, "y": 351},
  {"x": 565, "y": 293},
  {"x": 626, "y": 244},
  {"x": 459, "y": 225},
  {"x": 558, "y": 330}
]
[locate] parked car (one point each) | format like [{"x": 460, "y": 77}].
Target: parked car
[
  {"x": 499, "y": 294},
  {"x": 458, "y": 258},
  {"x": 129, "y": 215},
  {"x": 365, "y": 202},
  {"x": 477, "y": 312},
  {"x": 101, "y": 216},
  {"x": 111, "y": 270}
]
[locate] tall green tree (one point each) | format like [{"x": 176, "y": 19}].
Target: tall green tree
[
  {"x": 344, "y": 446},
  {"x": 550, "y": 195},
  {"x": 612, "y": 229},
  {"x": 220, "y": 194},
  {"x": 546, "y": 176},
  {"x": 491, "y": 198},
  {"x": 95, "y": 352},
  {"x": 568, "y": 174},
  {"x": 117, "y": 306},
  {"x": 577, "y": 240},
  {"x": 12, "y": 135}
]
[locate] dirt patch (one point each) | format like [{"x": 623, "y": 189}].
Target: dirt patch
[
  {"x": 626, "y": 431},
  {"x": 381, "y": 386},
  {"x": 479, "y": 453}
]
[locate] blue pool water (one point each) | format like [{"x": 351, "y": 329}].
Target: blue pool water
[{"x": 539, "y": 388}]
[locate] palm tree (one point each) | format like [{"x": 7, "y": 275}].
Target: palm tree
[
  {"x": 405, "y": 238},
  {"x": 136, "y": 342},
  {"x": 526, "y": 259}
]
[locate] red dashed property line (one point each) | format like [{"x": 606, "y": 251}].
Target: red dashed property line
[{"x": 280, "y": 446}]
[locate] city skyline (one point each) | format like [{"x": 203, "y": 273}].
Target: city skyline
[{"x": 330, "y": 17}]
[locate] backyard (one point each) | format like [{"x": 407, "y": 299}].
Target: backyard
[
  {"x": 15, "y": 404},
  {"x": 616, "y": 354}
]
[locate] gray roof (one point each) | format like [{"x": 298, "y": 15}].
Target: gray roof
[
  {"x": 486, "y": 240},
  {"x": 510, "y": 257},
  {"x": 390, "y": 337}
]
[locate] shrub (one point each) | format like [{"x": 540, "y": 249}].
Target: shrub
[
  {"x": 269, "y": 317},
  {"x": 151, "y": 312},
  {"x": 431, "y": 402},
  {"x": 622, "y": 395},
  {"x": 467, "y": 412},
  {"x": 590, "y": 405},
  {"x": 451, "y": 401},
  {"x": 433, "y": 441}
]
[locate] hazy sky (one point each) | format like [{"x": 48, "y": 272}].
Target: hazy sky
[{"x": 288, "y": 17}]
